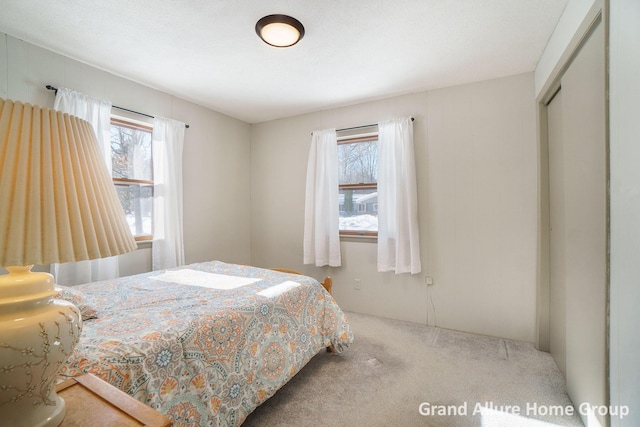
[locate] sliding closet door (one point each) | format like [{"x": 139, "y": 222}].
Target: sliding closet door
[
  {"x": 557, "y": 235},
  {"x": 578, "y": 218}
]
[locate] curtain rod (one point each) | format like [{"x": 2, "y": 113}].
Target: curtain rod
[
  {"x": 360, "y": 127},
  {"x": 119, "y": 108}
]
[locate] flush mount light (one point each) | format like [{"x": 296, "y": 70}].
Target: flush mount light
[{"x": 279, "y": 30}]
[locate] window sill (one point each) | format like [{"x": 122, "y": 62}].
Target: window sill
[{"x": 360, "y": 238}]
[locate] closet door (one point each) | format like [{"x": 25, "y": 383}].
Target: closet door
[
  {"x": 578, "y": 218},
  {"x": 557, "y": 235}
]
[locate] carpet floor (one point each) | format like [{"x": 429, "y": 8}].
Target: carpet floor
[{"x": 404, "y": 374}]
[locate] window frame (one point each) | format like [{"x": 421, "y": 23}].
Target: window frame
[
  {"x": 350, "y": 139},
  {"x": 131, "y": 182}
]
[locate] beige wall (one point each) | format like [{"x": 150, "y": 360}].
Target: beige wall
[
  {"x": 216, "y": 149},
  {"x": 476, "y": 158},
  {"x": 244, "y": 191}
]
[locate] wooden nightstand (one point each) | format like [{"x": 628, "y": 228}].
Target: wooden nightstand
[{"x": 92, "y": 401}]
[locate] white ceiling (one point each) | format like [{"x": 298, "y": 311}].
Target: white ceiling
[{"x": 207, "y": 52}]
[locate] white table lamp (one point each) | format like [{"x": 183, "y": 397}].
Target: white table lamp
[{"x": 57, "y": 204}]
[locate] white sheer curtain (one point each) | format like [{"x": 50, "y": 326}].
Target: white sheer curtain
[
  {"x": 321, "y": 222},
  {"x": 98, "y": 113},
  {"x": 398, "y": 235},
  {"x": 168, "y": 140}
]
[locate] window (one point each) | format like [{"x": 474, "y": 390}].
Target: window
[
  {"x": 132, "y": 172},
  {"x": 358, "y": 188}
]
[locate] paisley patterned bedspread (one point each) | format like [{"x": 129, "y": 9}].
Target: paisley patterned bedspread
[{"x": 209, "y": 352}]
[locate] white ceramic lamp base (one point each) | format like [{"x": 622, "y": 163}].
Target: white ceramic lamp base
[{"x": 37, "y": 335}]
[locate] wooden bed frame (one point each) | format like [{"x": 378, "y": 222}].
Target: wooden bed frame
[{"x": 327, "y": 283}]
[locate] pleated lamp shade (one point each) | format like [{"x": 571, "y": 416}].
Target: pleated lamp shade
[{"x": 57, "y": 200}]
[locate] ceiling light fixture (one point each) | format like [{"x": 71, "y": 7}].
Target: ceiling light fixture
[{"x": 279, "y": 30}]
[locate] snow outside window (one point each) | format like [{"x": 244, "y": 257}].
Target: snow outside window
[{"x": 358, "y": 188}]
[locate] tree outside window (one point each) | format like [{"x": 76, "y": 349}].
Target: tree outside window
[{"x": 132, "y": 172}]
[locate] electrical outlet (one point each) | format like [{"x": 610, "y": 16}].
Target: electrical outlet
[
  {"x": 356, "y": 284},
  {"x": 428, "y": 280}
]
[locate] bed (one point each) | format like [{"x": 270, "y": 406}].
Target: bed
[{"x": 206, "y": 343}]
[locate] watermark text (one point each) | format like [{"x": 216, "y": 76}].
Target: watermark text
[{"x": 531, "y": 409}]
